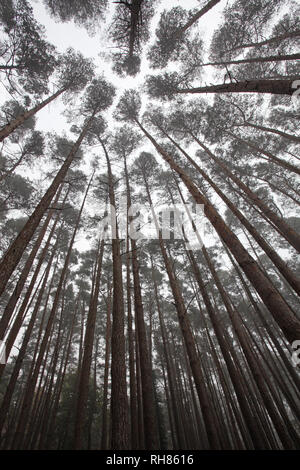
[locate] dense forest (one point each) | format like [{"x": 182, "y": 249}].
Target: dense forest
[{"x": 112, "y": 338}]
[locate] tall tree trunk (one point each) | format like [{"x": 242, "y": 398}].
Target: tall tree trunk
[
  {"x": 228, "y": 354},
  {"x": 105, "y": 441},
  {"x": 180, "y": 438},
  {"x": 83, "y": 386},
  {"x": 132, "y": 376},
  {"x": 195, "y": 18},
  {"x": 274, "y": 302},
  {"x": 251, "y": 60},
  {"x": 276, "y": 87},
  {"x": 32, "y": 380},
  {"x": 289, "y": 275},
  {"x": 13, "y": 255},
  {"x": 291, "y": 137},
  {"x": 24, "y": 276},
  {"x": 119, "y": 404},
  {"x": 149, "y": 411},
  {"x": 19, "y": 361},
  {"x": 188, "y": 339},
  {"x": 289, "y": 233},
  {"x": 10, "y": 127}
]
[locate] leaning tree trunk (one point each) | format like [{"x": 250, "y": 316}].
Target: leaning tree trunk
[
  {"x": 287, "y": 231},
  {"x": 288, "y": 35},
  {"x": 279, "y": 309},
  {"x": 289, "y": 166},
  {"x": 10, "y": 127},
  {"x": 20, "y": 317},
  {"x": 32, "y": 379},
  {"x": 189, "y": 340},
  {"x": 19, "y": 361},
  {"x": 291, "y": 137},
  {"x": 276, "y": 87},
  {"x": 288, "y": 274},
  {"x": 195, "y": 18},
  {"x": 13, "y": 255},
  {"x": 83, "y": 387},
  {"x": 5, "y": 319},
  {"x": 180, "y": 438},
  {"x": 228, "y": 354},
  {"x": 252, "y": 60}
]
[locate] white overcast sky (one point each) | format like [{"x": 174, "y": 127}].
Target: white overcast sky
[{"x": 64, "y": 35}]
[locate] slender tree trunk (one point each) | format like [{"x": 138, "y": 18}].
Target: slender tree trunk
[
  {"x": 180, "y": 438},
  {"x": 291, "y": 137},
  {"x": 24, "y": 276},
  {"x": 32, "y": 380},
  {"x": 276, "y": 87},
  {"x": 251, "y": 60},
  {"x": 9, "y": 128},
  {"x": 274, "y": 302},
  {"x": 189, "y": 341},
  {"x": 13, "y": 255},
  {"x": 119, "y": 404},
  {"x": 12, "y": 169},
  {"x": 83, "y": 386},
  {"x": 195, "y": 18},
  {"x": 288, "y": 232},
  {"x": 282, "y": 37},
  {"x": 289, "y": 275},
  {"x": 228, "y": 354},
  {"x": 62, "y": 374},
  {"x": 269, "y": 155},
  {"x": 133, "y": 392},
  {"x": 149, "y": 412},
  {"x": 105, "y": 428},
  {"x": 19, "y": 361}
]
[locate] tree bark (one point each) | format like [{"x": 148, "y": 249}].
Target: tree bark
[
  {"x": 252, "y": 60},
  {"x": 275, "y": 87},
  {"x": 9, "y": 128},
  {"x": 285, "y": 317},
  {"x": 13, "y": 255},
  {"x": 195, "y": 18}
]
